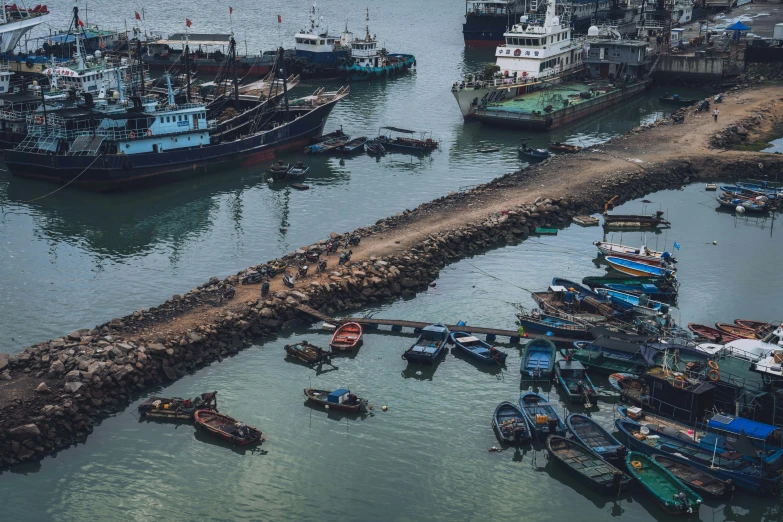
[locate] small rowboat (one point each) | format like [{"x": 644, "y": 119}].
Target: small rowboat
[
  {"x": 227, "y": 428},
  {"x": 701, "y": 482},
  {"x": 757, "y": 326},
  {"x": 374, "y": 148},
  {"x": 279, "y": 170},
  {"x": 563, "y": 147},
  {"x": 533, "y": 154},
  {"x": 541, "y": 416},
  {"x": 572, "y": 376},
  {"x": 355, "y": 145},
  {"x": 510, "y": 424},
  {"x": 737, "y": 331},
  {"x": 477, "y": 349},
  {"x": 637, "y": 269},
  {"x": 297, "y": 172},
  {"x": 340, "y": 399},
  {"x": 594, "y": 437},
  {"x": 711, "y": 334},
  {"x": 581, "y": 462},
  {"x": 538, "y": 361},
  {"x": 642, "y": 254},
  {"x": 667, "y": 490},
  {"x": 429, "y": 345},
  {"x": 176, "y": 408},
  {"x": 346, "y": 337},
  {"x": 307, "y": 353}
]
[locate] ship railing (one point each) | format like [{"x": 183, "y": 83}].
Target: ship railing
[
  {"x": 12, "y": 115},
  {"x": 487, "y": 11},
  {"x": 650, "y": 24},
  {"x": 182, "y": 106}
]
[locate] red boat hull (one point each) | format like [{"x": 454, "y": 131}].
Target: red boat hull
[{"x": 346, "y": 337}]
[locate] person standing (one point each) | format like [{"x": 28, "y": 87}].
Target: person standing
[{"x": 715, "y": 114}]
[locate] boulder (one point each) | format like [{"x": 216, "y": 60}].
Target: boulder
[
  {"x": 156, "y": 347},
  {"x": 57, "y": 367},
  {"x": 73, "y": 375},
  {"x": 170, "y": 373},
  {"x": 42, "y": 388},
  {"x": 3, "y": 361},
  {"x": 72, "y": 387},
  {"x": 28, "y": 431}
]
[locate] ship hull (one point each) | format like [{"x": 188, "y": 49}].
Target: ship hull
[
  {"x": 111, "y": 172},
  {"x": 355, "y": 73},
  {"x": 485, "y": 30}
]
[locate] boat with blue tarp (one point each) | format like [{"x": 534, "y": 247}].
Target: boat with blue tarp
[
  {"x": 538, "y": 361},
  {"x": 593, "y": 436},
  {"x": 760, "y": 434},
  {"x": 653, "y": 286},
  {"x": 326, "y": 147},
  {"x": 429, "y": 345},
  {"x": 641, "y": 304},
  {"x": 340, "y": 399},
  {"x": 477, "y": 349},
  {"x": 572, "y": 376},
  {"x": 636, "y": 269},
  {"x": 510, "y": 424},
  {"x": 541, "y": 415}
]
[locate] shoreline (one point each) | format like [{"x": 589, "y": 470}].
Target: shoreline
[{"x": 92, "y": 373}]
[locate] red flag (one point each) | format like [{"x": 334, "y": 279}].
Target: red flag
[
  {"x": 81, "y": 24},
  {"x": 230, "y": 10},
  {"x": 188, "y": 23},
  {"x": 138, "y": 16},
  {"x": 279, "y": 20}
]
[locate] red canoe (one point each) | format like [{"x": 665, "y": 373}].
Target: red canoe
[
  {"x": 346, "y": 337},
  {"x": 711, "y": 334},
  {"x": 227, "y": 428},
  {"x": 737, "y": 331}
]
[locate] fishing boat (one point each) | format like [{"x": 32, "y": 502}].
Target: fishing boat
[
  {"x": 340, "y": 399},
  {"x": 510, "y": 424},
  {"x": 631, "y": 387},
  {"x": 586, "y": 295},
  {"x": 558, "y": 324},
  {"x": 638, "y": 254},
  {"x": 176, "y": 408},
  {"x": 279, "y": 170},
  {"x": 583, "y": 463},
  {"x": 346, "y": 337},
  {"x": 600, "y": 361},
  {"x": 355, "y": 145},
  {"x": 696, "y": 479},
  {"x": 636, "y": 269},
  {"x": 635, "y": 221},
  {"x": 540, "y": 415},
  {"x": 298, "y": 172},
  {"x": 736, "y": 331},
  {"x": 641, "y": 304},
  {"x": 762, "y": 436},
  {"x": 711, "y": 334},
  {"x": 538, "y": 361},
  {"x": 227, "y": 428},
  {"x": 429, "y": 345},
  {"x": 307, "y": 353},
  {"x": 572, "y": 377},
  {"x": 675, "y": 99},
  {"x": 760, "y": 327},
  {"x": 405, "y": 143},
  {"x": 651, "y": 286},
  {"x": 477, "y": 349},
  {"x": 594, "y": 437},
  {"x": 531, "y": 153},
  {"x": 374, "y": 148},
  {"x": 754, "y": 474},
  {"x": 563, "y": 147},
  {"x": 734, "y": 201},
  {"x": 661, "y": 485},
  {"x": 326, "y": 147},
  {"x": 655, "y": 422}
]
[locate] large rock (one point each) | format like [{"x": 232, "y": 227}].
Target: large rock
[
  {"x": 3, "y": 361},
  {"x": 170, "y": 373},
  {"x": 156, "y": 347},
  {"x": 57, "y": 367},
  {"x": 72, "y": 387},
  {"x": 42, "y": 388},
  {"x": 28, "y": 431},
  {"x": 73, "y": 375}
]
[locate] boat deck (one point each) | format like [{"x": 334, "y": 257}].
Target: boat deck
[{"x": 538, "y": 100}]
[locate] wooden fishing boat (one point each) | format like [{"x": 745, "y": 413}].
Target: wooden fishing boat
[
  {"x": 563, "y": 147},
  {"x": 656, "y": 422},
  {"x": 736, "y": 331},
  {"x": 760, "y": 327},
  {"x": 594, "y": 437},
  {"x": 538, "y": 361},
  {"x": 355, "y": 145},
  {"x": 227, "y": 428},
  {"x": 307, "y": 353},
  {"x": 572, "y": 377},
  {"x": 661, "y": 485},
  {"x": 541, "y": 416},
  {"x": 733, "y": 201},
  {"x": 373, "y": 148},
  {"x": 278, "y": 170},
  {"x": 711, "y": 334},
  {"x": 631, "y": 387},
  {"x": 429, "y": 346},
  {"x": 558, "y": 324},
  {"x": 652, "y": 286},
  {"x": 533, "y": 154},
  {"x": 297, "y": 172},
  {"x": 585, "y": 292},
  {"x": 636, "y": 269},
  {"x": 346, "y": 337},
  {"x": 176, "y": 408},
  {"x": 327, "y": 146},
  {"x": 510, "y": 424},
  {"x": 599, "y": 362},
  {"x": 583, "y": 463},
  {"x": 405, "y": 143},
  {"x": 340, "y": 399},
  {"x": 635, "y": 221},
  {"x": 477, "y": 349},
  {"x": 701, "y": 482},
  {"x": 642, "y": 253}
]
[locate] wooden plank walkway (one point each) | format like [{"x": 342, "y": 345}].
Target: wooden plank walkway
[{"x": 416, "y": 326}]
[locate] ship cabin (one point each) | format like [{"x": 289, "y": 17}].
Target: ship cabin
[
  {"x": 588, "y": 9},
  {"x": 610, "y": 59},
  {"x": 678, "y": 397},
  {"x": 488, "y": 7},
  {"x": 365, "y": 52},
  {"x": 315, "y": 43},
  {"x": 5, "y": 79}
]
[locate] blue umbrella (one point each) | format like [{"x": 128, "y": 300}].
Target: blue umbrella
[{"x": 737, "y": 27}]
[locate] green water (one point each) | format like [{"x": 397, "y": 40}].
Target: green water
[{"x": 76, "y": 259}]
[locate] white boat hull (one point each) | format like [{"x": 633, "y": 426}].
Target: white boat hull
[{"x": 12, "y": 32}]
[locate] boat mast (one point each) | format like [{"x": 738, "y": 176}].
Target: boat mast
[
  {"x": 187, "y": 68},
  {"x": 281, "y": 57},
  {"x": 79, "y": 57},
  {"x": 141, "y": 65},
  {"x": 233, "y": 56}
]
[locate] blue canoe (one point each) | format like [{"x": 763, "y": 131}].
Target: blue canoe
[
  {"x": 355, "y": 145},
  {"x": 540, "y": 415},
  {"x": 429, "y": 345},
  {"x": 510, "y": 424},
  {"x": 596, "y": 438},
  {"x": 477, "y": 349},
  {"x": 642, "y": 305},
  {"x": 757, "y": 475},
  {"x": 636, "y": 269},
  {"x": 538, "y": 362}
]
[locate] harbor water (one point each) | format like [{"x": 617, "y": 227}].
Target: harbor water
[{"x": 75, "y": 259}]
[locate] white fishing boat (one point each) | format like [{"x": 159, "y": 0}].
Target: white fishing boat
[
  {"x": 643, "y": 253},
  {"x": 16, "y": 20}
]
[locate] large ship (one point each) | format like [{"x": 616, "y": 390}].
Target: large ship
[
  {"x": 487, "y": 20},
  {"x": 16, "y": 20}
]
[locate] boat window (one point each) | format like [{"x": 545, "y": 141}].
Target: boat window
[
  {"x": 168, "y": 119},
  {"x": 161, "y": 119}
]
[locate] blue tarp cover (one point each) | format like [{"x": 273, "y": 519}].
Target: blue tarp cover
[
  {"x": 739, "y": 26},
  {"x": 336, "y": 394},
  {"x": 753, "y": 429}
]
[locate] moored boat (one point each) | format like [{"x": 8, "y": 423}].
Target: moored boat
[
  {"x": 701, "y": 482},
  {"x": 760, "y": 327},
  {"x": 374, "y": 148},
  {"x": 355, "y": 145},
  {"x": 594, "y": 437},
  {"x": 341, "y": 399},
  {"x": 655, "y": 287},
  {"x": 639, "y": 254},
  {"x": 711, "y": 334},
  {"x": 641, "y": 304},
  {"x": 563, "y": 147},
  {"x": 675, "y": 99},
  {"x": 429, "y": 346},
  {"x": 477, "y": 349},
  {"x": 327, "y": 146},
  {"x": 510, "y": 424},
  {"x": 635, "y": 221},
  {"x": 636, "y": 269},
  {"x": 589, "y": 467},
  {"x": 307, "y": 353},
  {"x": 630, "y": 386},
  {"x": 346, "y": 337},
  {"x": 736, "y": 331},
  {"x": 759, "y": 204},
  {"x": 531, "y": 153},
  {"x": 176, "y": 408},
  {"x": 541, "y": 416},
  {"x": 558, "y": 324},
  {"x": 661, "y": 485},
  {"x": 538, "y": 361},
  {"x": 601, "y": 362},
  {"x": 572, "y": 377},
  {"x": 400, "y": 140},
  {"x": 298, "y": 172},
  {"x": 227, "y": 428},
  {"x": 279, "y": 170}
]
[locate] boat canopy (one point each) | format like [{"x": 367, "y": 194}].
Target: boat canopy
[{"x": 736, "y": 425}]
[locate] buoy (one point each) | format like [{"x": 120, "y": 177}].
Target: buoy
[
  {"x": 714, "y": 242},
  {"x": 326, "y": 406},
  {"x": 384, "y": 407},
  {"x": 740, "y": 209}
]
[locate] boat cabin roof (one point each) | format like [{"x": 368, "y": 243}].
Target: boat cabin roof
[
  {"x": 570, "y": 365},
  {"x": 736, "y": 425},
  {"x": 339, "y": 392},
  {"x": 466, "y": 340}
]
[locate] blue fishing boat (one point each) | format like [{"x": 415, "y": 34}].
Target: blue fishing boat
[
  {"x": 477, "y": 349},
  {"x": 531, "y": 153},
  {"x": 636, "y": 269},
  {"x": 572, "y": 377},
  {"x": 594, "y": 436},
  {"x": 641, "y": 304},
  {"x": 747, "y": 203},
  {"x": 298, "y": 172},
  {"x": 429, "y": 345},
  {"x": 651, "y": 290},
  {"x": 583, "y": 291},
  {"x": 355, "y": 145},
  {"x": 760, "y": 475},
  {"x": 538, "y": 321},
  {"x": 510, "y": 424},
  {"x": 541, "y": 416},
  {"x": 538, "y": 361},
  {"x": 328, "y": 146},
  {"x": 762, "y": 435}
]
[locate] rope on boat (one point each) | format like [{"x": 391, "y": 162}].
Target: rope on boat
[{"x": 60, "y": 188}]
